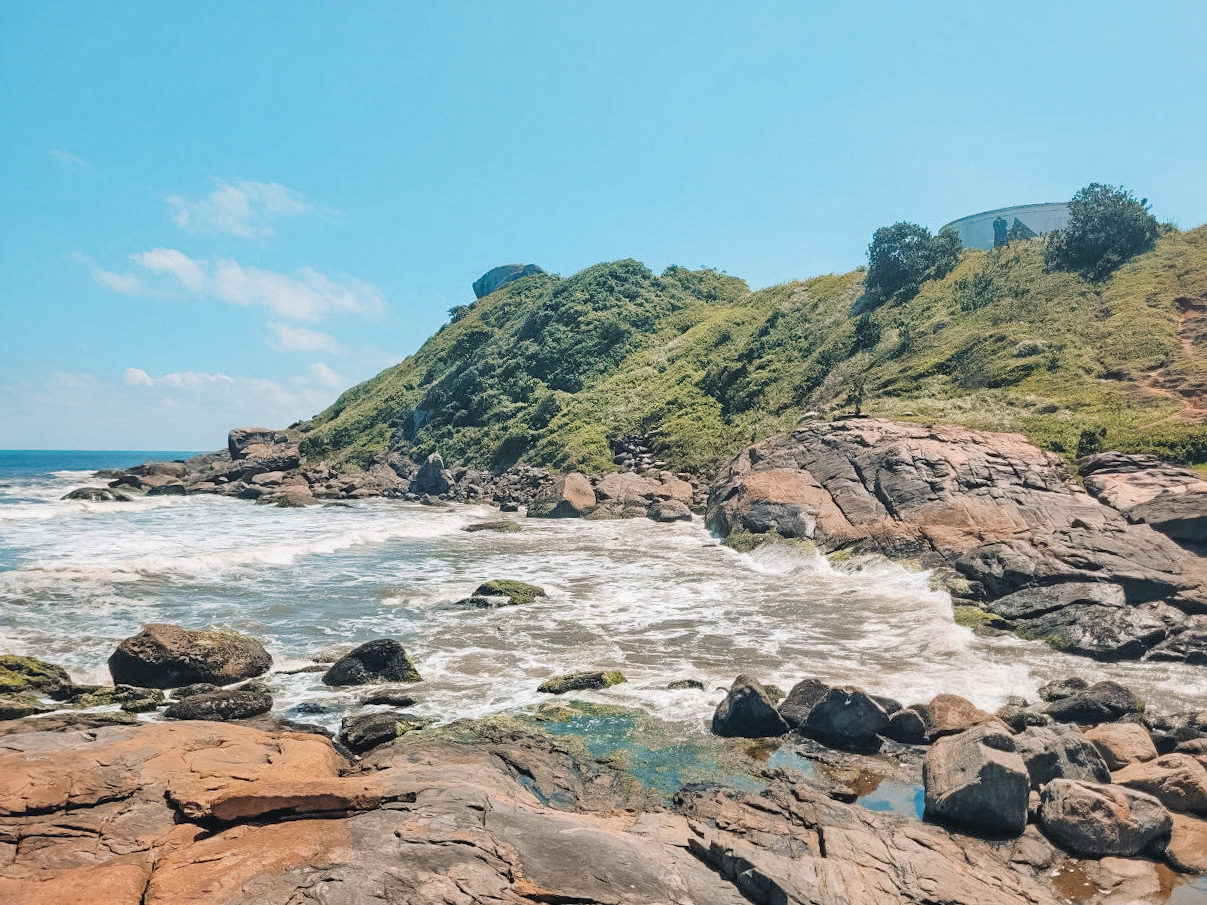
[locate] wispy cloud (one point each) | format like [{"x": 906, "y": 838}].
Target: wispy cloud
[
  {"x": 300, "y": 339},
  {"x": 240, "y": 208},
  {"x": 125, "y": 283},
  {"x": 306, "y": 296},
  {"x": 74, "y": 161}
]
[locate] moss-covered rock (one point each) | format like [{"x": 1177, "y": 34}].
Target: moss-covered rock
[
  {"x": 980, "y": 621},
  {"x": 517, "y": 592},
  {"x": 130, "y": 698},
  {"x": 19, "y": 674},
  {"x": 582, "y": 681},
  {"x": 15, "y": 706},
  {"x": 504, "y": 526}
]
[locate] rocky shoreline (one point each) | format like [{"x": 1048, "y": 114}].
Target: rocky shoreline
[
  {"x": 1113, "y": 570},
  {"x": 213, "y": 801}
]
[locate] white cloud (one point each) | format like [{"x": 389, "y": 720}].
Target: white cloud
[
  {"x": 74, "y": 161},
  {"x": 241, "y": 208},
  {"x": 301, "y": 339},
  {"x": 138, "y": 377},
  {"x": 307, "y": 296},
  {"x": 167, "y": 260}
]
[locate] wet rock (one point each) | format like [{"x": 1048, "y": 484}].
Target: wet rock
[
  {"x": 907, "y": 726},
  {"x": 1102, "y": 632},
  {"x": 369, "y": 730},
  {"x": 382, "y": 660},
  {"x": 1059, "y": 752},
  {"x": 195, "y": 688},
  {"x": 977, "y": 781},
  {"x": 222, "y": 706},
  {"x": 800, "y": 700},
  {"x": 571, "y": 496},
  {"x": 1121, "y": 744},
  {"x": 1062, "y": 688},
  {"x": 509, "y": 506},
  {"x": 683, "y": 684},
  {"x": 669, "y": 511},
  {"x": 1187, "y": 847},
  {"x": 432, "y": 478},
  {"x": 747, "y": 712},
  {"x": 516, "y": 592},
  {"x": 1095, "y": 820},
  {"x": 392, "y": 698},
  {"x": 129, "y": 698},
  {"x": 29, "y": 674},
  {"x": 21, "y": 704},
  {"x": 168, "y": 656},
  {"x": 950, "y": 714},
  {"x": 1178, "y": 781},
  {"x": 846, "y": 718},
  {"x": 1188, "y": 645},
  {"x": 582, "y": 681},
  {"x": 503, "y": 526},
  {"x": 1018, "y": 717},
  {"x": 96, "y": 495},
  {"x": 1100, "y": 703}
]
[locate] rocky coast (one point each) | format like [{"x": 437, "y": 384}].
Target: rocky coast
[{"x": 178, "y": 783}]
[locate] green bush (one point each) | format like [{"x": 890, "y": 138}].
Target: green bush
[
  {"x": 1107, "y": 228},
  {"x": 904, "y": 256}
]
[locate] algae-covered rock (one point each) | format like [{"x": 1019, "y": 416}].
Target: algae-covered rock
[
  {"x": 382, "y": 660},
  {"x": 15, "y": 706},
  {"x": 18, "y": 674},
  {"x": 582, "y": 681},
  {"x": 368, "y": 730},
  {"x": 503, "y": 525},
  {"x": 168, "y": 656},
  {"x": 517, "y": 592}
]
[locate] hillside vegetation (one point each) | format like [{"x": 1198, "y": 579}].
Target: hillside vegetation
[{"x": 546, "y": 369}]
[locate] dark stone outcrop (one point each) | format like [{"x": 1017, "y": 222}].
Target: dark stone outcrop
[
  {"x": 370, "y": 730},
  {"x": 168, "y": 656},
  {"x": 1060, "y": 752},
  {"x": 96, "y": 495},
  {"x": 747, "y": 711},
  {"x": 794, "y": 709},
  {"x": 1172, "y": 500},
  {"x": 907, "y": 726},
  {"x": 1102, "y": 702},
  {"x": 498, "y": 277},
  {"x": 570, "y": 496},
  {"x": 432, "y": 478},
  {"x": 1033, "y": 546},
  {"x": 381, "y": 660},
  {"x": 222, "y": 705},
  {"x": 845, "y": 717}
]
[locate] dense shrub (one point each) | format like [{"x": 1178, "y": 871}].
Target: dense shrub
[
  {"x": 904, "y": 256},
  {"x": 1107, "y": 228}
]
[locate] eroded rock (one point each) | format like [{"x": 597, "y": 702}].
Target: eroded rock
[{"x": 167, "y": 656}]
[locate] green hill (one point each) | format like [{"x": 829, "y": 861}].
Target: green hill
[{"x": 546, "y": 369}]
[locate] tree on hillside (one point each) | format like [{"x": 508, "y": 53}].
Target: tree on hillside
[
  {"x": 1107, "y": 228},
  {"x": 904, "y": 256}
]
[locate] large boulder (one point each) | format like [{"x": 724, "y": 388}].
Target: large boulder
[
  {"x": 432, "y": 478},
  {"x": 1187, "y": 646},
  {"x": 950, "y": 714},
  {"x": 907, "y": 726},
  {"x": 669, "y": 511},
  {"x": 1059, "y": 752},
  {"x": 1103, "y": 632},
  {"x": 1102, "y": 702},
  {"x": 262, "y": 448},
  {"x": 1171, "y": 499},
  {"x": 747, "y": 712},
  {"x": 794, "y": 709},
  {"x": 29, "y": 674},
  {"x": 96, "y": 495},
  {"x": 1121, "y": 744},
  {"x": 498, "y": 277},
  {"x": 571, "y": 496},
  {"x": 1178, "y": 781},
  {"x": 976, "y": 781},
  {"x": 379, "y": 661},
  {"x": 1096, "y": 820},
  {"x": 168, "y": 656},
  {"x": 221, "y": 706},
  {"x": 1187, "y": 846},
  {"x": 1182, "y": 517},
  {"x": 846, "y": 718}
]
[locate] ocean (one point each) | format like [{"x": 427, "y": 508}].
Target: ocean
[{"x": 658, "y": 602}]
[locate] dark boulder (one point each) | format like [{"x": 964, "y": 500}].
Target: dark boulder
[
  {"x": 845, "y": 717},
  {"x": 976, "y": 781},
  {"x": 96, "y": 495},
  {"x": 800, "y": 700},
  {"x": 747, "y": 712},
  {"x": 168, "y": 656},
  {"x": 1030, "y": 603},
  {"x": 431, "y": 478},
  {"x": 1062, "y": 688},
  {"x": 1103, "y": 702},
  {"x": 370, "y": 730},
  {"x": 20, "y": 704},
  {"x": 220, "y": 706},
  {"x": 382, "y": 660},
  {"x": 907, "y": 726},
  {"x": 391, "y": 698},
  {"x": 1188, "y": 646},
  {"x": 516, "y": 593},
  {"x": 196, "y": 688},
  {"x": 1182, "y": 517},
  {"x": 1102, "y": 632},
  {"x": 570, "y": 496},
  {"x": 1094, "y": 820},
  {"x": 1060, "y": 752}
]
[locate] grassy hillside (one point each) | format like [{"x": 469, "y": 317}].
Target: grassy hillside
[{"x": 546, "y": 369}]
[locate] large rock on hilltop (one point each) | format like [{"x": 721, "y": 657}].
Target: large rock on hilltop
[
  {"x": 1008, "y": 516},
  {"x": 977, "y": 781},
  {"x": 168, "y": 656},
  {"x": 498, "y": 277}
]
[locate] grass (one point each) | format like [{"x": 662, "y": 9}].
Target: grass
[{"x": 547, "y": 369}]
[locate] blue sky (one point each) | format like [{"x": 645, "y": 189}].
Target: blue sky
[{"x": 226, "y": 213}]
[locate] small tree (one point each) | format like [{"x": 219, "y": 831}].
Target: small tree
[
  {"x": 904, "y": 256},
  {"x": 1107, "y": 228}
]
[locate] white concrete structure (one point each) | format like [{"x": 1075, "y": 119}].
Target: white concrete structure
[{"x": 976, "y": 231}]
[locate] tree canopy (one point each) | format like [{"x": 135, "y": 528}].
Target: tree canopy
[
  {"x": 1107, "y": 228},
  {"x": 904, "y": 256}
]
